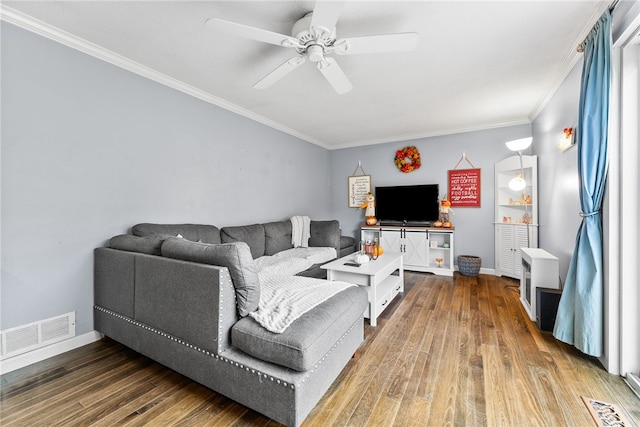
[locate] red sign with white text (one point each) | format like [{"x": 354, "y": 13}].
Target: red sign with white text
[{"x": 464, "y": 188}]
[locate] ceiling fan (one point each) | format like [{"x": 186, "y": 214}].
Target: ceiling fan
[{"x": 314, "y": 39}]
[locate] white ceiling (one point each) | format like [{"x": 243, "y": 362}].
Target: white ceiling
[{"x": 477, "y": 65}]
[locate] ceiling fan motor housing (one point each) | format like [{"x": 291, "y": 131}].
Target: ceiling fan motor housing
[
  {"x": 313, "y": 41},
  {"x": 315, "y": 53}
]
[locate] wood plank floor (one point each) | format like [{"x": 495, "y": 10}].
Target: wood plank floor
[{"x": 450, "y": 351}]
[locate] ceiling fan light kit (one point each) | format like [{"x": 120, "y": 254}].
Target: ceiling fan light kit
[{"x": 314, "y": 38}]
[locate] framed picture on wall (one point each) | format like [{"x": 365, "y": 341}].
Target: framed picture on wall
[
  {"x": 359, "y": 186},
  {"x": 464, "y": 188}
]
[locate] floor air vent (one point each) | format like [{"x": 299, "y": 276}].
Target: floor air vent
[{"x": 30, "y": 337}]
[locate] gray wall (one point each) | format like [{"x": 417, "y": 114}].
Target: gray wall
[
  {"x": 89, "y": 149},
  {"x": 474, "y": 233},
  {"x": 558, "y": 172}
]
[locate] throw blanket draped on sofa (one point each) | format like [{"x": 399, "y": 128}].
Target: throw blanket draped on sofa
[
  {"x": 300, "y": 231},
  {"x": 285, "y": 298}
]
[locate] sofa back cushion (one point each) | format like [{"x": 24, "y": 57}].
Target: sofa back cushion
[
  {"x": 325, "y": 234},
  {"x": 235, "y": 256},
  {"x": 252, "y": 235},
  {"x": 277, "y": 237},
  {"x": 146, "y": 245},
  {"x": 195, "y": 232}
]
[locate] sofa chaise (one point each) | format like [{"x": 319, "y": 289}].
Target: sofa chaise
[{"x": 184, "y": 295}]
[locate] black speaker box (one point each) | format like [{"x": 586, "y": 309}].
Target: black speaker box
[{"x": 547, "y": 307}]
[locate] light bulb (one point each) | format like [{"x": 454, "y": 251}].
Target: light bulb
[{"x": 518, "y": 183}]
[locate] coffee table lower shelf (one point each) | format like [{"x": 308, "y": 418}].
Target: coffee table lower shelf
[{"x": 383, "y": 278}]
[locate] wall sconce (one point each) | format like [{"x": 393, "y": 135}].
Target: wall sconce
[
  {"x": 567, "y": 140},
  {"x": 518, "y": 183}
]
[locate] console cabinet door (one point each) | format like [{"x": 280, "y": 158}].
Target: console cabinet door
[
  {"x": 415, "y": 248},
  {"x": 390, "y": 240}
]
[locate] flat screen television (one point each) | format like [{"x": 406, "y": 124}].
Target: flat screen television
[{"x": 407, "y": 205}]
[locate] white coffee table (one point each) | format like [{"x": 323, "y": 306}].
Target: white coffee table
[{"x": 383, "y": 278}]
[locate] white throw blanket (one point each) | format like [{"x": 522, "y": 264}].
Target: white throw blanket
[
  {"x": 315, "y": 255},
  {"x": 300, "y": 231},
  {"x": 281, "y": 266},
  {"x": 285, "y": 298}
]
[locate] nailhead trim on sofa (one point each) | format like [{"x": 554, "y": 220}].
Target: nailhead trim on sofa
[{"x": 225, "y": 359}]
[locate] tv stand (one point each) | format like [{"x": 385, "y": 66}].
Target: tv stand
[{"x": 421, "y": 246}]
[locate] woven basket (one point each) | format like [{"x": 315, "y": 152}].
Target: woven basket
[{"x": 469, "y": 265}]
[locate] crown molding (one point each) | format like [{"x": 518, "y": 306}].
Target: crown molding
[
  {"x": 53, "y": 33},
  {"x": 48, "y": 31},
  {"x": 439, "y": 132}
]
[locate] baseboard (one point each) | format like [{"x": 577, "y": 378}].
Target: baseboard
[
  {"x": 491, "y": 271},
  {"x": 35, "y": 356},
  {"x": 634, "y": 382}
]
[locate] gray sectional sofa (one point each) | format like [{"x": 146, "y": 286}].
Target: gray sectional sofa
[{"x": 180, "y": 295}]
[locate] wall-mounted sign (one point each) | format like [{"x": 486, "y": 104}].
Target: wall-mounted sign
[
  {"x": 464, "y": 188},
  {"x": 359, "y": 186}
]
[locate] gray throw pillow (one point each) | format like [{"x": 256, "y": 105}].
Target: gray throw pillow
[{"x": 235, "y": 256}]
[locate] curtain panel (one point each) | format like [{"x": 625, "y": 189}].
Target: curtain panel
[{"x": 580, "y": 313}]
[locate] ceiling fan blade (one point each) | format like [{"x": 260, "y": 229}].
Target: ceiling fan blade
[
  {"x": 400, "y": 42},
  {"x": 282, "y": 70},
  {"x": 325, "y": 14},
  {"x": 253, "y": 33},
  {"x": 334, "y": 74}
]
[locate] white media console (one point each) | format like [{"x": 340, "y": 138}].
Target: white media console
[{"x": 426, "y": 249}]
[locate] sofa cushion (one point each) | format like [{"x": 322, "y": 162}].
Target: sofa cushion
[
  {"x": 316, "y": 271},
  {"x": 195, "y": 232},
  {"x": 235, "y": 256},
  {"x": 252, "y": 235},
  {"x": 347, "y": 245},
  {"x": 305, "y": 342},
  {"x": 128, "y": 242},
  {"x": 277, "y": 237},
  {"x": 325, "y": 233},
  {"x": 346, "y": 242}
]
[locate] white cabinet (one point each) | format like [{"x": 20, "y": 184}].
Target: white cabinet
[
  {"x": 516, "y": 213},
  {"x": 509, "y": 239},
  {"x": 425, "y": 249}
]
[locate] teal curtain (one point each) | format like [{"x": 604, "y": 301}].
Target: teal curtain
[{"x": 580, "y": 313}]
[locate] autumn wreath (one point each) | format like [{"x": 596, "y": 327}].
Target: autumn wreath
[{"x": 407, "y": 159}]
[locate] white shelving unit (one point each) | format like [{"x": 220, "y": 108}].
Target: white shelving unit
[
  {"x": 422, "y": 246},
  {"x": 516, "y": 214}
]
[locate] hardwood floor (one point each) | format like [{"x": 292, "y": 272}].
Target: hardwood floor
[{"x": 450, "y": 351}]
